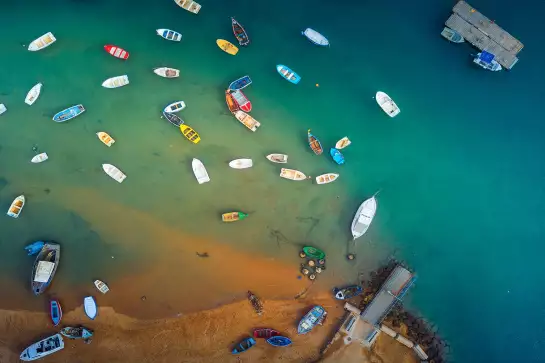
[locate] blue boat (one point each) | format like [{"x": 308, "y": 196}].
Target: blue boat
[
  {"x": 69, "y": 113},
  {"x": 337, "y": 156},
  {"x": 240, "y": 83},
  {"x": 279, "y": 341},
  {"x": 347, "y": 292},
  {"x": 288, "y": 74},
  {"x": 314, "y": 317},
  {"x": 243, "y": 346},
  {"x": 56, "y": 312},
  {"x": 33, "y": 248}
]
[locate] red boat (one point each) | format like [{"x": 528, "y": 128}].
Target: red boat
[
  {"x": 116, "y": 51},
  {"x": 265, "y": 333},
  {"x": 241, "y": 100}
]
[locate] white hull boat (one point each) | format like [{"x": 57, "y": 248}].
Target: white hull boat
[
  {"x": 315, "y": 37},
  {"x": 101, "y": 286},
  {"x": 114, "y": 172},
  {"x": 43, "y": 348},
  {"x": 167, "y": 72},
  {"x": 116, "y": 82},
  {"x": 278, "y": 158},
  {"x": 292, "y": 174},
  {"x": 16, "y": 206},
  {"x": 90, "y": 307},
  {"x": 364, "y": 216},
  {"x": 175, "y": 107},
  {"x": 2, "y": 108},
  {"x": 40, "y": 158},
  {"x": 33, "y": 94},
  {"x": 486, "y": 61},
  {"x": 189, "y": 5},
  {"x": 169, "y": 35},
  {"x": 247, "y": 120},
  {"x": 342, "y": 143},
  {"x": 387, "y": 104},
  {"x": 42, "y": 42},
  {"x": 200, "y": 171},
  {"x": 241, "y": 163},
  {"x": 326, "y": 178}
]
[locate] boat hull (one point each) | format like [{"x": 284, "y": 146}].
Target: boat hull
[
  {"x": 313, "y": 252},
  {"x": 169, "y": 35},
  {"x": 251, "y": 123},
  {"x": 173, "y": 119},
  {"x": 240, "y": 83},
  {"x": 227, "y": 47},
  {"x": 43, "y": 348},
  {"x": 190, "y": 134},
  {"x": 90, "y": 307},
  {"x": 175, "y": 107},
  {"x": 243, "y": 346},
  {"x": 116, "y": 82},
  {"x": 189, "y": 5},
  {"x": 69, "y": 113},
  {"x": 16, "y": 206},
  {"x": 279, "y": 341},
  {"x": 347, "y": 292},
  {"x": 292, "y": 174},
  {"x": 314, "y": 144},
  {"x": 342, "y": 143},
  {"x": 387, "y": 104},
  {"x": 105, "y": 138},
  {"x": 315, "y": 37},
  {"x": 42, "y": 42},
  {"x": 55, "y": 312},
  {"x": 233, "y": 216},
  {"x": 278, "y": 158},
  {"x": 314, "y": 317},
  {"x": 33, "y": 94},
  {"x": 116, "y": 52},
  {"x": 233, "y": 107},
  {"x": 114, "y": 173},
  {"x": 167, "y": 72},
  {"x": 241, "y": 163},
  {"x": 364, "y": 217},
  {"x": 77, "y": 333},
  {"x": 337, "y": 156},
  {"x": 288, "y": 74},
  {"x": 51, "y": 252},
  {"x": 101, "y": 286},
  {"x": 326, "y": 178},
  {"x": 200, "y": 171},
  {"x": 265, "y": 333},
  {"x": 240, "y": 33},
  {"x": 241, "y": 100}
]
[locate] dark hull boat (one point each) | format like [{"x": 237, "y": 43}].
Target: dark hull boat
[
  {"x": 314, "y": 317},
  {"x": 256, "y": 303},
  {"x": 240, "y": 33},
  {"x": 265, "y": 333},
  {"x": 243, "y": 346},
  {"x": 77, "y": 333},
  {"x": 314, "y": 144},
  {"x": 279, "y": 341},
  {"x": 240, "y": 83},
  {"x": 45, "y": 267},
  {"x": 347, "y": 292},
  {"x": 173, "y": 119}
]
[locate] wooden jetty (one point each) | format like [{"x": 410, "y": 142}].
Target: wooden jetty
[{"x": 484, "y": 34}]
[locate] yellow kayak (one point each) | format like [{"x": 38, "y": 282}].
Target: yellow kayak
[
  {"x": 190, "y": 134},
  {"x": 227, "y": 47}
]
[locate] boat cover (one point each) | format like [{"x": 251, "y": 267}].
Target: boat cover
[
  {"x": 486, "y": 57},
  {"x": 43, "y": 271}
]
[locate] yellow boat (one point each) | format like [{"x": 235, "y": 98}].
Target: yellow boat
[
  {"x": 190, "y": 134},
  {"x": 226, "y": 46}
]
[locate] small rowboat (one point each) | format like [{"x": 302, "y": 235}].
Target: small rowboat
[
  {"x": 241, "y": 163},
  {"x": 43, "y": 348},
  {"x": 167, "y": 72},
  {"x": 55, "y": 311},
  {"x": 311, "y": 319},
  {"x": 105, "y": 138},
  {"x": 233, "y": 216},
  {"x": 243, "y": 346},
  {"x": 116, "y": 51},
  {"x": 314, "y": 143},
  {"x": 226, "y": 46},
  {"x": 175, "y": 107},
  {"x": 2, "y": 108},
  {"x": 114, "y": 172},
  {"x": 241, "y": 100},
  {"x": 173, "y": 119},
  {"x": 230, "y": 102},
  {"x": 387, "y": 104},
  {"x": 16, "y": 206},
  {"x": 337, "y": 156},
  {"x": 363, "y": 217},
  {"x": 326, "y": 178},
  {"x": 42, "y": 42},
  {"x": 278, "y": 158},
  {"x": 189, "y": 5},
  {"x": 240, "y": 83},
  {"x": 240, "y": 33},
  {"x": 101, "y": 286},
  {"x": 312, "y": 252},
  {"x": 288, "y": 74},
  {"x": 33, "y": 94},
  {"x": 39, "y": 158},
  {"x": 315, "y": 37},
  {"x": 292, "y": 174},
  {"x": 169, "y": 34},
  {"x": 116, "y": 82},
  {"x": 279, "y": 341},
  {"x": 200, "y": 171},
  {"x": 257, "y": 305},
  {"x": 247, "y": 120},
  {"x": 190, "y": 134},
  {"x": 265, "y": 333},
  {"x": 342, "y": 143},
  {"x": 452, "y": 35},
  {"x": 90, "y": 307},
  {"x": 33, "y": 248},
  {"x": 77, "y": 333},
  {"x": 69, "y": 113},
  {"x": 347, "y": 292},
  {"x": 44, "y": 268}
]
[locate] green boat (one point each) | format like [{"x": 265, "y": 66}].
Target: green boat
[
  {"x": 233, "y": 216},
  {"x": 312, "y": 253}
]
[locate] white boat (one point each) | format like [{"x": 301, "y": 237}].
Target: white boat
[
  {"x": 116, "y": 82},
  {"x": 33, "y": 94},
  {"x": 452, "y": 35},
  {"x": 247, "y": 120},
  {"x": 3, "y": 108},
  {"x": 169, "y": 34},
  {"x": 16, "y": 206},
  {"x": 342, "y": 143},
  {"x": 387, "y": 104},
  {"x": 326, "y": 178},
  {"x": 175, "y": 107},
  {"x": 114, "y": 172},
  {"x": 90, "y": 307},
  {"x": 241, "y": 163},
  {"x": 189, "y": 5},
  {"x": 43, "y": 348},
  {"x": 200, "y": 171},
  {"x": 486, "y": 61},
  {"x": 39, "y": 158},
  {"x": 101, "y": 286},
  {"x": 278, "y": 158},
  {"x": 42, "y": 42},
  {"x": 167, "y": 72},
  {"x": 292, "y": 174},
  {"x": 315, "y": 37},
  {"x": 364, "y": 216}
]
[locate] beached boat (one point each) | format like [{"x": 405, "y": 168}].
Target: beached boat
[
  {"x": 288, "y": 74},
  {"x": 243, "y": 346},
  {"x": 175, "y": 107},
  {"x": 227, "y": 47},
  {"x": 77, "y": 333},
  {"x": 69, "y": 113},
  {"x": 173, "y": 119},
  {"x": 116, "y": 82},
  {"x": 337, "y": 156},
  {"x": 42, "y": 42},
  {"x": 114, "y": 172},
  {"x": 3, "y": 108},
  {"x": 230, "y": 102},
  {"x": 314, "y": 317},
  {"x": 45, "y": 266},
  {"x": 486, "y": 61},
  {"x": 342, "y": 143},
  {"x": 387, "y": 104},
  {"x": 241, "y": 100},
  {"x": 240, "y": 33},
  {"x": 16, "y": 206},
  {"x": 312, "y": 252},
  {"x": 265, "y": 333},
  {"x": 167, "y": 72},
  {"x": 33, "y": 94},
  {"x": 189, "y": 5},
  {"x": 314, "y": 143},
  {"x": 292, "y": 174},
  {"x": 116, "y": 51},
  {"x": 200, "y": 171},
  {"x": 55, "y": 312},
  {"x": 40, "y": 158},
  {"x": 90, "y": 307},
  {"x": 347, "y": 292},
  {"x": 241, "y": 163},
  {"x": 452, "y": 35},
  {"x": 279, "y": 341},
  {"x": 190, "y": 134},
  {"x": 43, "y": 348},
  {"x": 363, "y": 217},
  {"x": 169, "y": 34},
  {"x": 315, "y": 37},
  {"x": 233, "y": 216},
  {"x": 240, "y": 83},
  {"x": 326, "y": 178},
  {"x": 101, "y": 286},
  {"x": 257, "y": 305},
  {"x": 105, "y": 138},
  {"x": 247, "y": 120},
  {"x": 33, "y": 248},
  {"x": 278, "y": 158}
]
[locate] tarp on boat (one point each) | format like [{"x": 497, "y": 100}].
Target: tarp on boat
[
  {"x": 43, "y": 271},
  {"x": 486, "y": 57}
]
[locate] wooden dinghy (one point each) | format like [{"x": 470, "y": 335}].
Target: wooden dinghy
[
  {"x": 40, "y": 158},
  {"x": 326, "y": 178},
  {"x": 241, "y": 100},
  {"x": 233, "y": 216},
  {"x": 169, "y": 34},
  {"x": 315, "y": 37},
  {"x": 44, "y": 268},
  {"x": 342, "y": 143},
  {"x": 90, "y": 307},
  {"x": 16, "y": 206},
  {"x": 167, "y": 72},
  {"x": 3, "y": 108},
  {"x": 240, "y": 33},
  {"x": 288, "y": 74},
  {"x": 189, "y": 5},
  {"x": 116, "y": 51},
  {"x": 247, "y": 120},
  {"x": 105, "y": 138},
  {"x": 116, "y": 82},
  {"x": 363, "y": 217},
  {"x": 69, "y": 113},
  {"x": 101, "y": 286},
  {"x": 265, "y": 333},
  {"x": 227, "y": 47},
  {"x": 42, "y": 42},
  {"x": 314, "y": 143},
  {"x": 240, "y": 83},
  {"x": 387, "y": 104},
  {"x": 55, "y": 312},
  {"x": 175, "y": 107},
  {"x": 278, "y": 158},
  {"x": 33, "y": 94},
  {"x": 190, "y": 134},
  {"x": 230, "y": 102},
  {"x": 114, "y": 172},
  {"x": 241, "y": 163},
  {"x": 243, "y": 346},
  {"x": 43, "y": 348},
  {"x": 200, "y": 171},
  {"x": 173, "y": 119},
  {"x": 292, "y": 174}
]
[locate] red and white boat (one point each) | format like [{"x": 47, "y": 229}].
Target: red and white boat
[
  {"x": 116, "y": 51},
  {"x": 241, "y": 100}
]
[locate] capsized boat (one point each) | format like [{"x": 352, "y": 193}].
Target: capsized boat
[
  {"x": 116, "y": 82},
  {"x": 227, "y": 47},
  {"x": 16, "y": 206},
  {"x": 342, "y": 143},
  {"x": 69, "y": 113},
  {"x": 241, "y": 100},
  {"x": 117, "y": 52},
  {"x": 288, "y": 74},
  {"x": 42, "y": 42},
  {"x": 240, "y": 83},
  {"x": 114, "y": 172},
  {"x": 101, "y": 286},
  {"x": 241, "y": 163},
  {"x": 90, "y": 307},
  {"x": 189, "y": 5},
  {"x": 452, "y": 35},
  {"x": 337, "y": 156},
  {"x": 292, "y": 174},
  {"x": 167, "y": 72},
  {"x": 233, "y": 216},
  {"x": 244, "y": 345},
  {"x": 347, "y": 292},
  {"x": 315, "y": 37},
  {"x": 190, "y": 134},
  {"x": 326, "y": 178},
  {"x": 55, "y": 312},
  {"x": 314, "y": 143},
  {"x": 173, "y": 118},
  {"x": 279, "y": 341},
  {"x": 387, "y": 104},
  {"x": 240, "y": 33},
  {"x": 77, "y": 333},
  {"x": 34, "y": 248},
  {"x": 105, "y": 138},
  {"x": 313, "y": 252},
  {"x": 265, "y": 333},
  {"x": 200, "y": 171},
  {"x": 175, "y": 107},
  {"x": 33, "y": 94},
  {"x": 278, "y": 158},
  {"x": 486, "y": 61},
  {"x": 230, "y": 102},
  {"x": 2, "y": 108},
  {"x": 363, "y": 217},
  {"x": 247, "y": 120},
  {"x": 45, "y": 266},
  {"x": 43, "y": 348},
  {"x": 169, "y": 34},
  {"x": 314, "y": 317},
  {"x": 39, "y": 158}
]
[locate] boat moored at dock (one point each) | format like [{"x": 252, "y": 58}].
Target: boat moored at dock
[
  {"x": 452, "y": 35},
  {"x": 486, "y": 60}
]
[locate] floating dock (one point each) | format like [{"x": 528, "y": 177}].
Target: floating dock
[{"x": 484, "y": 34}]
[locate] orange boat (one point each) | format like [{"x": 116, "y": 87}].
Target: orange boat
[
  {"x": 230, "y": 102},
  {"x": 105, "y": 138}
]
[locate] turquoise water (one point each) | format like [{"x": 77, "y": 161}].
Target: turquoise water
[{"x": 460, "y": 170}]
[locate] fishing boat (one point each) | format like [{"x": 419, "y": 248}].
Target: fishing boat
[
  {"x": 288, "y": 74},
  {"x": 69, "y": 113},
  {"x": 247, "y": 120},
  {"x": 240, "y": 33},
  {"x": 342, "y": 143},
  {"x": 114, "y": 172},
  {"x": 169, "y": 34},
  {"x": 167, "y": 72},
  {"x": 364, "y": 216},
  {"x": 43, "y": 348},
  {"x": 292, "y": 174},
  {"x": 189, "y": 5},
  {"x": 101, "y": 286},
  {"x": 117, "y": 52},
  {"x": 55, "y": 311},
  {"x": 326, "y": 178},
  {"x": 314, "y": 317},
  {"x": 42, "y": 42},
  {"x": 278, "y": 158},
  {"x": 200, "y": 171},
  {"x": 387, "y": 104},
  {"x": 452, "y": 35},
  {"x": 16, "y": 206},
  {"x": 347, "y": 292},
  {"x": 315, "y": 37},
  {"x": 314, "y": 143},
  {"x": 312, "y": 252},
  {"x": 486, "y": 61},
  {"x": 44, "y": 267},
  {"x": 227, "y": 47},
  {"x": 116, "y": 82},
  {"x": 241, "y": 100},
  {"x": 244, "y": 345},
  {"x": 337, "y": 156},
  {"x": 33, "y": 94},
  {"x": 230, "y": 102},
  {"x": 190, "y": 134},
  {"x": 240, "y": 83},
  {"x": 256, "y": 303},
  {"x": 105, "y": 138},
  {"x": 175, "y": 107},
  {"x": 233, "y": 216},
  {"x": 40, "y": 158},
  {"x": 2, "y": 108},
  {"x": 241, "y": 163},
  {"x": 77, "y": 333},
  {"x": 173, "y": 118},
  {"x": 34, "y": 248},
  {"x": 90, "y": 307},
  {"x": 265, "y": 333},
  {"x": 279, "y": 341}
]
